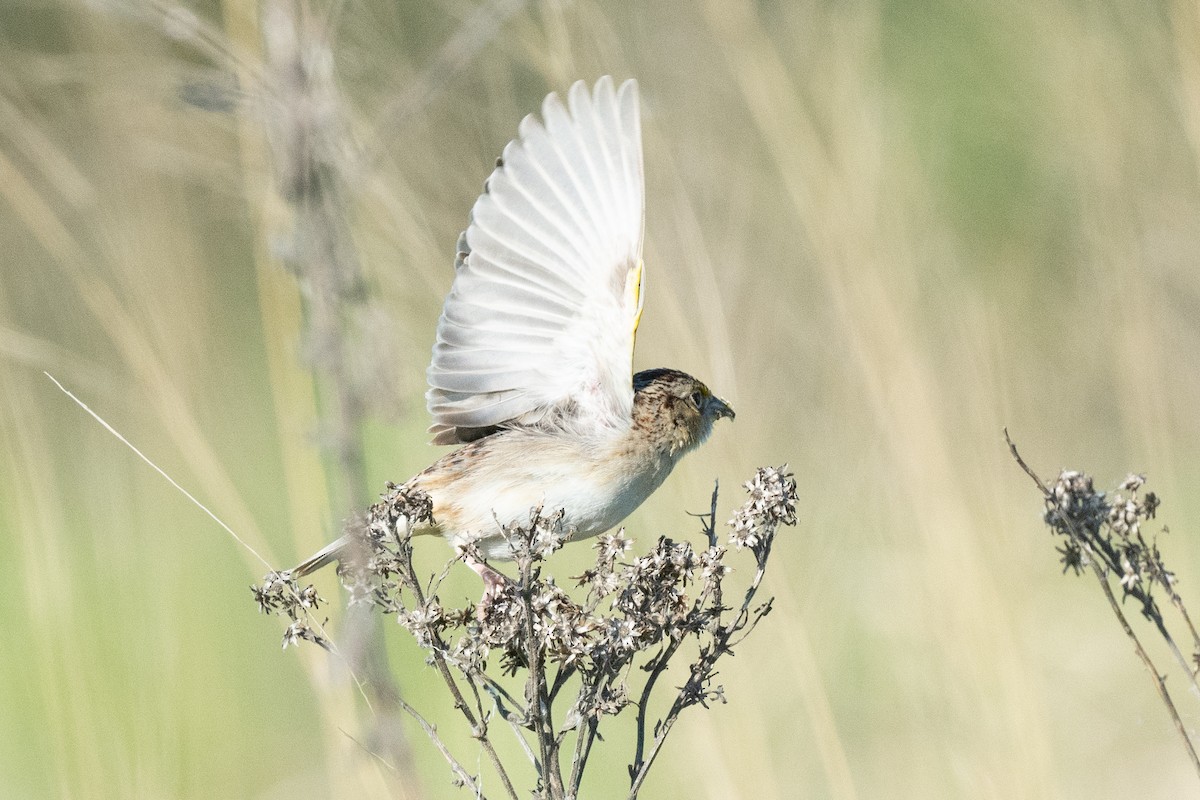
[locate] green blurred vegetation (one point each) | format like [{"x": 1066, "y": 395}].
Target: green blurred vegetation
[{"x": 883, "y": 230}]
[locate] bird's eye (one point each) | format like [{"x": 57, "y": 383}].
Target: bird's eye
[{"x": 697, "y": 398}]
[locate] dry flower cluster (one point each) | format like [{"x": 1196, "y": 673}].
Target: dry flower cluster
[
  {"x": 580, "y": 653},
  {"x": 1103, "y": 533}
]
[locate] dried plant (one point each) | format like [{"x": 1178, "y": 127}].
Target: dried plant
[
  {"x": 1103, "y": 533},
  {"x": 580, "y": 654}
]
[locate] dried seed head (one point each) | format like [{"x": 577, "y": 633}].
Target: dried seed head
[{"x": 772, "y": 502}]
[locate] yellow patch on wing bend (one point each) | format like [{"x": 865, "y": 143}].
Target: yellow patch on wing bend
[{"x": 635, "y": 298}]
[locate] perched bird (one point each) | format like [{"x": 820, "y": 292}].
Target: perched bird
[{"x": 532, "y": 369}]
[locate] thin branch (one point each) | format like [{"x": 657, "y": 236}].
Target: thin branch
[
  {"x": 502, "y": 696},
  {"x": 519, "y": 735},
  {"x": 1159, "y": 683},
  {"x": 458, "y": 769},
  {"x": 539, "y": 697},
  {"x": 659, "y": 663},
  {"x": 460, "y": 702},
  {"x": 585, "y": 734},
  {"x": 1012, "y": 448}
]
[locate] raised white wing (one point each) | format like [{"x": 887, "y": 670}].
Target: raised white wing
[{"x": 539, "y": 325}]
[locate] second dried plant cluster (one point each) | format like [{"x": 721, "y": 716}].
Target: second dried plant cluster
[{"x": 1104, "y": 533}]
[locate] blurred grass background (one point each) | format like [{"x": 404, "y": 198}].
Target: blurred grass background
[{"x": 883, "y": 230}]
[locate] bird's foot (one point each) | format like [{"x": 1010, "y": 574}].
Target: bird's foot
[{"x": 493, "y": 584}]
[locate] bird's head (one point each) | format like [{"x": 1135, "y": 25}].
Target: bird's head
[{"x": 674, "y": 410}]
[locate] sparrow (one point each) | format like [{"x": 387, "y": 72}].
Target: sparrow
[{"x": 532, "y": 367}]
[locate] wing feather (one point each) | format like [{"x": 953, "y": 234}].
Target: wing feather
[{"x": 539, "y": 325}]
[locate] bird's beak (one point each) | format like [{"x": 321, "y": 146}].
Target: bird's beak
[{"x": 719, "y": 408}]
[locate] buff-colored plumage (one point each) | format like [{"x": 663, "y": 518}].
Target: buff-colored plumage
[{"x": 531, "y": 372}]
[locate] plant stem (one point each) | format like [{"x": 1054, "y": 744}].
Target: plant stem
[
  {"x": 539, "y": 696},
  {"x": 478, "y": 726},
  {"x": 1159, "y": 683}
]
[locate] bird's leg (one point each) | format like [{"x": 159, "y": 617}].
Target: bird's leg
[{"x": 493, "y": 582}]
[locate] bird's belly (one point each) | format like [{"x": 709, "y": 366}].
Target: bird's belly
[{"x": 594, "y": 494}]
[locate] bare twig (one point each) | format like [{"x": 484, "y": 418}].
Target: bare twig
[
  {"x": 478, "y": 725},
  {"x": 1160, "y": 682}
]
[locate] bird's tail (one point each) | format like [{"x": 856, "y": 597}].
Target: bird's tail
[
  {"x": 334, "y": 551},
  {"x": 346, "y": 548}
]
